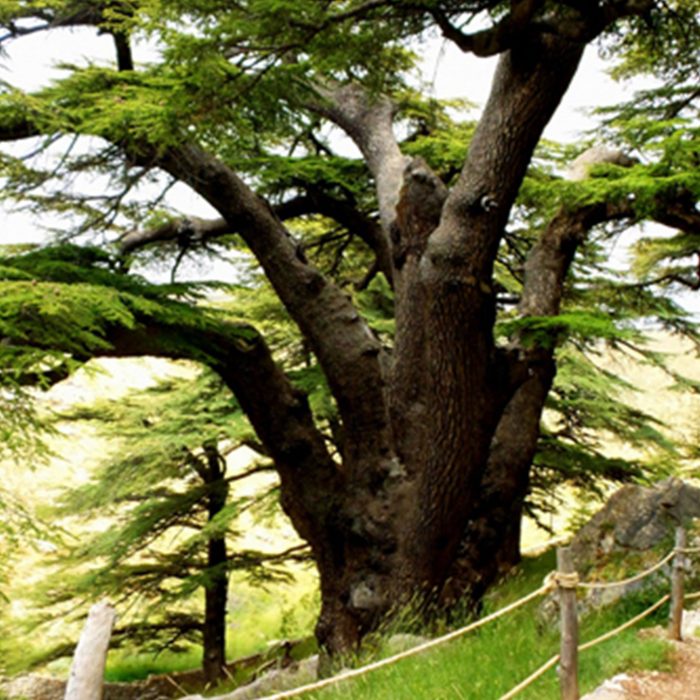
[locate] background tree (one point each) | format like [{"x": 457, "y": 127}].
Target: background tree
[
  {"x": 427, "y": 430},
  {"x": 161, "y": 514}
]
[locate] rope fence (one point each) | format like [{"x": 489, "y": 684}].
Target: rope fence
[
  {"x": 430, "y": 644},
  {"x": 566, "y": 580},
  {"x": 531, "y": 678},
  {"x": 626, "y": 625},
  {"x": 596, "y": 585}
]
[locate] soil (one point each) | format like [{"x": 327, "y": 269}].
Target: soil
[{"x": 682, "y": 684}]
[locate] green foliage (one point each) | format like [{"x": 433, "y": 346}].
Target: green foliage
[
  {"x": 588, "y": 407},
  {"x": 18, "y": 527},
  {"x": 552, "y": 331},
  {"x": 148, "y": 509},
  {"x": 75, "y": 298},
  {"x": 662, "y": 43},
  {"x": 238, "y": 80},
  {"x": 509, "y": 649}
]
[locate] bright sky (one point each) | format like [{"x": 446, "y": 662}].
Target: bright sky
[
  {"x": 28, "y": 64},
  {"x": 451, "y": 73}
]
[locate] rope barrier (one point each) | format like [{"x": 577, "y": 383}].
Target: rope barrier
[
  {"x": 631, "y": 622},
  {"x": 582, "y": 647},
  {"x": 633, "y": 579},
  {"x": 559, "y": 579},
  {"x": 687, "y": 550},
  {"x": 355, "y": 672},
  {"x": 691, "y": 596},
  {"x": 555, "y": 579},
  {"x": 531, "y": 678}
]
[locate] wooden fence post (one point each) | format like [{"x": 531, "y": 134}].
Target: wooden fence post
[
  {"x": 568, "y": 654},
  {"x": 676, "y": 619},
  {"x": 86, "y": 679}
]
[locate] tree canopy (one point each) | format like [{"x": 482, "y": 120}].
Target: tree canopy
[{"x": 434, "y": 293}]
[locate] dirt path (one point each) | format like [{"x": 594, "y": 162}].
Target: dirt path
[{"x": 683, "y": 683}]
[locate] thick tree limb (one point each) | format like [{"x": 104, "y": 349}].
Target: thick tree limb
[
  {"x": 346, "y": 349},
  {"x": 417, "y": 214},
  {"x": 368, "y": 121},
  {"x": 681, "y": 214},
  {"x": 490, "y": 545},
  {"x": 456, "y": 270},
  {"x": 493, "y": 40},
  {"x": 581, "y": 26},
  {"x": 278, "y": 412},
  {"x": 593, "y": 19}
]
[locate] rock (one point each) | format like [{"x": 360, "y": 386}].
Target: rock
[
  {"x": 597, "y": 155},
  {"x": 612, "y": 689},
  {"x": 691, "y": 624},
  {"x": 636, "y": 518},
  {"x": 297, "y": 674},
  {"x": 33, "y": 687}
]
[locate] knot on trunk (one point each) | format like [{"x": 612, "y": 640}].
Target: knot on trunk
[
  {"x": 418, "y": 212},
  {"x": 366, "y": 594}
]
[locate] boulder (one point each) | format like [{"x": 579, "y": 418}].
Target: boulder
[
  {"x": 636, "y": 518},
  {"x": 297, "y": 674},
  {"x": 627, "y": 535}
]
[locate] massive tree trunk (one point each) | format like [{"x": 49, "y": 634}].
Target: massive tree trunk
[
  {"x": 430, "y": 434},
  {"x": 447, "y": 387},
  {"x": 425, "y": 494}
]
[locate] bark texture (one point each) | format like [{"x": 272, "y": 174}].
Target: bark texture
[{"x": 436, "y": 435}]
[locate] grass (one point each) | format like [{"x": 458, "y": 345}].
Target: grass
[
  {"x": 487, "y": 663},
  {"x": 124, "y": 666},
  {"x": 257, "y": 617},
  {"x": 482, "y": 665}
]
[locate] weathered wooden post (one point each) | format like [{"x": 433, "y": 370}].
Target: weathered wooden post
[
  {"x": 86, "y": 680},
  {"x": 568, "y": 654},
  {"x": 676, "y": 619}
]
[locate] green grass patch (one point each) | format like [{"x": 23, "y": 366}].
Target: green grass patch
[
  {"x": 487, "y": 663},
  {"x": 125, "y": 666},
  {"x": 257, "y": 616},
  {"x": 482, "y": 665}
]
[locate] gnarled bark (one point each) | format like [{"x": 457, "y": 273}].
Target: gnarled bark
[{"x": 437, "y": 440}]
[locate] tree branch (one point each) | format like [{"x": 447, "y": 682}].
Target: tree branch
[
  {"x": 346, "y": 349},
  {"x": 493, "y": 40},
  {"x": 78, "y": 14},
  {"x": 368, "y": 121},
  {"x": 18, "y": 128},
  {"x": 278, "y": 412},
  {"x": 587, "y": 21},
  {"x": 192, "y": 229}
]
